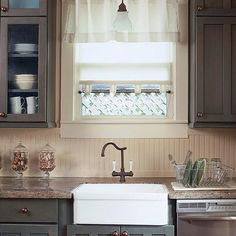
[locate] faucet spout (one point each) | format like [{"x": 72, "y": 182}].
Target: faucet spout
[
  {"x": 122, "y": 172},
  {"x": 111, "y": 143}
]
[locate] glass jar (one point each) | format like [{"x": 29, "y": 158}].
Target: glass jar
[
  {"x": 20, "y": 158},
  {"x": 47, "y": 159}
]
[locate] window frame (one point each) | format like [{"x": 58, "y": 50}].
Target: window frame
[{"x": 146, "y": 127}]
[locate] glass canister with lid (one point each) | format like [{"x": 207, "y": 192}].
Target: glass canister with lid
[
  {"x": 47, "y": 159},
  {"x": 20, "y": 156}
]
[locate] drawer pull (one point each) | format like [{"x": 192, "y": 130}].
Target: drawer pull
[
  {"x": 125, "y": 233},
  {"x": 24, "y": 210},
  {"x": 199, "y": 8},
  {"x": 115, "y": 233},
  {"x": 3, "y": 114},
  {"x": 4, "y": 9},
  {"x": 200, "y": 114}
]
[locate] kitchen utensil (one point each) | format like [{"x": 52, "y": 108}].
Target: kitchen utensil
[
  {"x": 25, "y": 48},
  {"x": 188, "y": 155},
  {"x": 32, "y": 105},
  {"x": 25, "y": 85},
  {"x": 25, "y": 77},
  {"x": 179, "y": 172},
  {"x": 25, "y": 81},
  {"x": 187, "y": 173},
  {"x": 172, "y": 162},
  {"x": 17, "y": 105},
  {"x": 197, "y": 173}
]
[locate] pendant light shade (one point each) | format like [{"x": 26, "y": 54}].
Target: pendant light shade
[{"x": 122, "y": 22}]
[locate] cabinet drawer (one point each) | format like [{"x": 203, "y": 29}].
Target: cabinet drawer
[{"x": 29, "y": 210}]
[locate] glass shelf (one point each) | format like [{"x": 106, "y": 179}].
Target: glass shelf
[
  {"x": 23, "y": 55},
  {"x": 23, "y": 90}
]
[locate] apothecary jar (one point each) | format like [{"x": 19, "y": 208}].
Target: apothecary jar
[
  {"x": 47, "y": 159},
  {"x": 20, "y": 156}
]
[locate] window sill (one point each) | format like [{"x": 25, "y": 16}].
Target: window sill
[{"x": 124, "y": 130}]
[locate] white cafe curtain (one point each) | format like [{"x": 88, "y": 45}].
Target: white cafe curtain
[{"x": 91, "y": 21}]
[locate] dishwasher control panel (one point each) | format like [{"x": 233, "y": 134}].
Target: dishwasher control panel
[
  {"x": 218, "y": 207},
  {"x": 211, "y": 205}
]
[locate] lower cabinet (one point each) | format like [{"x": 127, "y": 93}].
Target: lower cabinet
[
  {"x": 105, "y": 230},
  {"x": 28, "y": 230},
  {"x": 29, "y": 217}
]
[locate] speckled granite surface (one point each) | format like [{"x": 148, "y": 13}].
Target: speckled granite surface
[{"x": 61, "y": 187}]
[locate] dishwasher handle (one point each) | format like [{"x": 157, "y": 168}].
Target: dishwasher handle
[{"x": 207, "y": 217}]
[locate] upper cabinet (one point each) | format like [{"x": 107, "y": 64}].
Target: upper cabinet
[
  {"x": 26, "y": 80},
  {"x": 23, "y": 7},
  {"x": 212, "y": 47}
]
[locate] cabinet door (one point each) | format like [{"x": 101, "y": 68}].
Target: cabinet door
[
  {"x": 23, "y": 45},
  {"x": 215, "y": 69},
  {"x": 28, "y": 230},
  {"x": 23, "y": 7},
  {"x": 92, "y": 230},
  {"x": 166, "y": 230}
]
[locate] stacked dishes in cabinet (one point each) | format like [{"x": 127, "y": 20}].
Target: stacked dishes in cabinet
[
  {"x": 23, "y": 78},
  {"x": 25, "y": 81},
  {"x": 25, "y": 48}
]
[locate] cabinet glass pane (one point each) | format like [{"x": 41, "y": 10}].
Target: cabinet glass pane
[
  {"x": 23, "y": 40},
  {"x": 15, "y": 4}
]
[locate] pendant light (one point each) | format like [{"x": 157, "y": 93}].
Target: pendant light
[{"x": 122, "y": 22}]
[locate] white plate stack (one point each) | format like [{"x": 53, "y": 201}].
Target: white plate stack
[
  {"x": 24, "y": 48},
  {"x": 25, "y": 81}
]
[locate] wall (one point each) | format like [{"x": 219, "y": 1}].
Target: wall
[{"x": 81, "y": 157}]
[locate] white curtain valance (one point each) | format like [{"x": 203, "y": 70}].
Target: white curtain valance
[{"x": 91, "y": 21}]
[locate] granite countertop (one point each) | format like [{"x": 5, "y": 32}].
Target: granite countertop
[{"x": 61, "y": 188}]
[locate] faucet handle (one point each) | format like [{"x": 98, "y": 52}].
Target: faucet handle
[
  {"x": 130, "y": 165},
  {"x": 113, "y": 165}
]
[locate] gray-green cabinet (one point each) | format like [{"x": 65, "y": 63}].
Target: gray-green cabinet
[
  {"x": 106, "y": 230},
  {"x": 214, "y": 7},
  {"x": 29, "y": 217},
  {"x": 212, "y": 47},
  {"x": 23, "y": 7},
  {"x": 28, "y": 230},
  {"x": 26, "y": 79}
]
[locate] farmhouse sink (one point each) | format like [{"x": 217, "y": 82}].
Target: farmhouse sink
[{"x": 122, "y": 204}]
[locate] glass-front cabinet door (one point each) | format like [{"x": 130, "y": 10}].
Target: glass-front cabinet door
[
  {"x": 23, "y": 7},
  {"x": 23, "y": 69}
]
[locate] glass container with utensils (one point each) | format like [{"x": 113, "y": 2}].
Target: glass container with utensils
[
  {"x": 20, "y": 156},
  {"x": 47, "y": 159}
]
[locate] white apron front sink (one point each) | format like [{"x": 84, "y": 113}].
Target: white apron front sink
[{"x": 122, "y": 204}]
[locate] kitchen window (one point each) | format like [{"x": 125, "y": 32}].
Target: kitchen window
[
  {"x": 124, "y": 79},
  {"x": 120, "y": 88}
]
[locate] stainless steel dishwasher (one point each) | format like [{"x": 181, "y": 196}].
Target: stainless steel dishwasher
[{"x": 206, "y": 217}]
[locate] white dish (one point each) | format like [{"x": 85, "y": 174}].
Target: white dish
[
  {"x": 25, "y": 47},
  {"x": 26, "y": 77},
  {"x": 25, "y": 84}
]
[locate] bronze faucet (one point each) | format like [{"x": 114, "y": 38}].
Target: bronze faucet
[{"x": 122, "y": 172}]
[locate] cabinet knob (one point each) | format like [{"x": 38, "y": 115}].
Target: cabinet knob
[
  {"x": 199, "y": 8},
  {"x": 115, "y": 233},
  {"x": 125, "y": 233},
  {"x": 4, "y": 9},
  {"x": 200, "y": 114},
  {"x": 24, "y": 210},
  {"x": 3, "y": 114}
]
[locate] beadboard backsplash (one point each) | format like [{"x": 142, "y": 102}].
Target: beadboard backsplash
[{"x": 82, "y": 157}]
